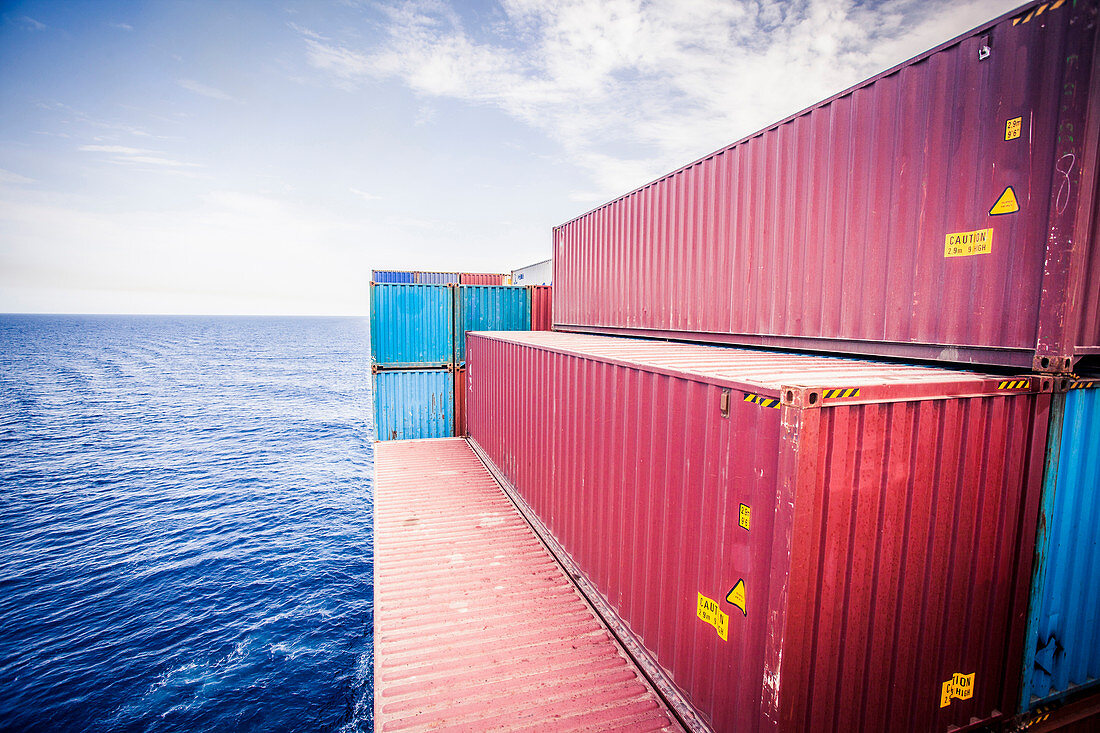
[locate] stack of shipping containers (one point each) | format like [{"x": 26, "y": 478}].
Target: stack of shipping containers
[
  {"x": 418, "y": 325},
  {"x": 794, "y": 537},
  {"x": 412, "y": 359}
]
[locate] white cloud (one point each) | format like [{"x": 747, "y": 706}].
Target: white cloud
[
  {"x": 14, "y": 178},
  {"x": 632, "y": 88},
  {"x": 30, "y": 23},
  {"x": 121, "y": 26},
  {"x": 127, "y": 155},
  {"x": 118, "y": 149},
  {"x": 364, "y": 195},
  {"x": 205, "y": 90}
]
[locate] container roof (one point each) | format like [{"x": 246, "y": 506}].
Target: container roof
[{"x": 801, "y": 380}]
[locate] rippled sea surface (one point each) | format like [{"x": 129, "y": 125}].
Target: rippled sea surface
[{"x": 185, "y": 524}]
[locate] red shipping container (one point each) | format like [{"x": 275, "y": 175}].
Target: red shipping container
[
  {"x": 542, "y": 307},
  {"x": 944, "y": 209},
  {"x": 800, "y": 543},
  {"x": 460, "y": 402},
  {"x": 481, "y": 278}
]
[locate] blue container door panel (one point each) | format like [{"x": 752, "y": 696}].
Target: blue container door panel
[
  {"x": 489, "y": 308},
  {"x": 1062, "y": 652},
  {"x": 393, "y": 276},
  {"x": 414, "y": 404},
  {"x": 412, "y": 325}
]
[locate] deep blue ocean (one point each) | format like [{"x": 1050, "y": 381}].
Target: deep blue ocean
[{"x": 185, "y": 524}]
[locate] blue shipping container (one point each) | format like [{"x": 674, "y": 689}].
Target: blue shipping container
[
  {"x": 392, "y": 276},
  {"x": 489, "y": 308},
  {"x": 1062, "y": 650},
  {"x": 437, "y": 278},
  {"x": 414, "y": 403},
  {"x": 411, "y": 325}
]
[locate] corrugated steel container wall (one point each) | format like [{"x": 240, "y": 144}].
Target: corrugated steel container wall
[
  {"x": 540, "y": 273},
  {"x": 460, "y": 402},
  {"x": 1062, "y": 652},
  {"x": 437, "y": 278},
  {"x": 412, "y": 325},
  {"x": 489, "y": 308},
  {"x": 542, "y": 307},
  {"x": 830, "y": 229},
  {"x": 884, "y": 546},
  {"x": 413, "y": 403},
  {"x": 392, "y": 276},
  {"x": 482, "y": 278}
]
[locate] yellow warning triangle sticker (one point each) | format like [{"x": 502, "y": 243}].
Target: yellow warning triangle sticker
[
  {"x": 1006, "y": 204},
  {"x": 736, "y": 596}
]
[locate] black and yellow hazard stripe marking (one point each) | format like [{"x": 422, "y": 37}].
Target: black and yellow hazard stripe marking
[
  {"x": 1038, "y": 11},
  {"x": 1015, "y": 384},
  {"x": 1039, "y": 716},
  {"x": 830, "y": 394},
  {"x": 762, "y": 400},
  {"x": 1083, "y": 385}
]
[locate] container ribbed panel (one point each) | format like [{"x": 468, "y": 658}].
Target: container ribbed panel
[
  {"x": 416, "y": 403},
  {"x": 489, "y": 308},
  {"x": 1063, "y": 645},
  {"x": 412, "y": 325}
]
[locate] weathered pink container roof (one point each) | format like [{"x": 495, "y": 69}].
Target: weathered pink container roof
[
  {"x": 828, "y": 380},
  {"x": 476, "y": 627}
]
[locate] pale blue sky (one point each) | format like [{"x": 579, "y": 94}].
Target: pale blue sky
[{"x": 263, "y": 157}]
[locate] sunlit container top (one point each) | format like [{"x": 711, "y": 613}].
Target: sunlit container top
[
  {"x": 411, "y": 325},
  {"x": 944, "y": 209},
  {"x": 799, "y": 380}
]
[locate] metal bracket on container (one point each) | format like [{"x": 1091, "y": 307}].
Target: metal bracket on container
[
  {"x": 801, "y": 397},
  {"x": 1052, "y": 363},
  {"x": 724, "y": 403}
]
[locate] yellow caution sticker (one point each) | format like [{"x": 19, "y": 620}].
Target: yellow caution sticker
[
  {"x": 744, "y": 515},
  {"x": 959, "y": 687},
  {"x": 830, "y": 394},
  {"x": 1075, "y": 385},
  {"x": 1006, "y": 203},
  {"x": 1013, "y": 127},
  {"x": 736, "y": 596},
  {"x": 708, "y": 611},
  {"x": 964, "y": 244}
]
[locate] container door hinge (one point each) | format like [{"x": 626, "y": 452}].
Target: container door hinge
[{"x": 724, "y": 403}]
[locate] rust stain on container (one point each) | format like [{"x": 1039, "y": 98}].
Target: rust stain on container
[
  {"x": 879, "y": 221},
  {"x": 802, "y": 543},
  {"x": 476, "y": 627}
]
